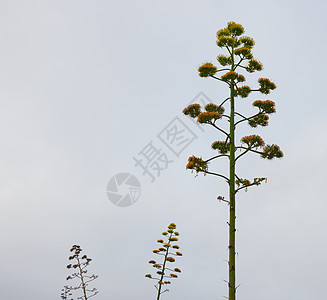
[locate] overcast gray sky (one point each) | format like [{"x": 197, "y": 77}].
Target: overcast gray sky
[{"x": 86, "y": 85}]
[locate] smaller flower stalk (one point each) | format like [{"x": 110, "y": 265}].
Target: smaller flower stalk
[
  {"x": 169, "y": 251},
  {"x": 80, "y": 264},
  {"x": 66, "y": 293}
]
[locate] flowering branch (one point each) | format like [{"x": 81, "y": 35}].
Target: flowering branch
[
  {"x": 167, "y": 249},
  {"x": 240, "y": 58},
  {"x": 80, "y": 266}
]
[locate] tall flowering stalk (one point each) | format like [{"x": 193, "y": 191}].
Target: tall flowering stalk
[
  {"x": 168, "y": 251},
  {"x": 79, "y": 265},
  {"x": 239, "y": 58}
]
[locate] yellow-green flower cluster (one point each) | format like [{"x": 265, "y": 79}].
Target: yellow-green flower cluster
[
  {"x": 173, "y": 239},
  {"x": 168, "y": 253},
  {"x": 243, "y": 182},
  {"x": 253, "y": 141},
  {"x": 207, "y": 69},
  {"x": 258, "y": 181},
  {"x": 208, "y": 117},
  {"x": 266, "y": 85},
  {"x": 266, "y": 106},
  {"x": 227, "y": 36},
  {"x": 223, "y": 32},
  {"x": 227, "y": 41},
  {"x": 254, "y": 65},
  {"x": 214, "y": 108},
  {"x": 260, "y": 119},
  {"x": 244, "y": 52},
  {"x": 243, "y": 91},
  {"x": 247, "y": 42},
  {"x": 228, "y": 77},
  {"x": 222, "y": 147},
  {"x": 271, "y": 151},
  {"x": 235, "y": 28},
  {"x": 224, "y": 60},
  {"x": 192, "y": 110},
  {"x": 197, "y": 164}
]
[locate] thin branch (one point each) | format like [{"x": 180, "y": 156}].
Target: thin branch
[
  {"x": 223, "y": 70},
  {"x": 227, "y": 139},
  {"x": 222, "y": 176},
  {"x": 242, "y": 66},
  {"x": 220, "y": 80},
  {"x": 212, "y": 158},
  {"x": 229, "y": 51},
  {"x": 241, "y": 59},
  {"x": 217, "y": 78},
  {"x": 247, "y": 150},
  {"x": 251, "y": 150},
  {"x": 247, "y": 119},
  {"x": 237, "y": 177},
  {"x": 224, "y": 102},
  {"x": 224, "y": 200},
  {"x": 246, "y": 186},
  {"x": 236, "y": 113},
  {"x": 223, "y": 131},
  {"x": 235, "y": 83}
]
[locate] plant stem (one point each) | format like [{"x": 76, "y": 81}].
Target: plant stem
[
  {"x": 82, "y": 279},
  {"x": 163, "y": 268},
  {"x": 231, "y": 246}
]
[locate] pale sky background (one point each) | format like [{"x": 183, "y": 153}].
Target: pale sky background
[{"x": 85, "y": 85}]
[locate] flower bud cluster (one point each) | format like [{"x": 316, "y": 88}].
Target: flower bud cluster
[
  {"x": 260, "y": 119},
  {"x": 242, "y": 182},
  {"x": 222, "y": 147},
  {"x": 235, "y": 29},
  {"x": 227, "y": 36},
  {"x": 230, "y": 41},
  {"x": 192, "y": 110},
  {"x": 244, "y": 52},
  {"x": 243, "y": 91},
  {"x": 208, "y": 117},
  {"x": 81, "y": 262},
  {"x": 266, "y": 106},
  {"x": 197, "y": 164},
  {"x": 207, "y": 69},
  {"x": 224, "y": 60},
  {"x": 212, "y": 113},
  {"x": 253, "y": 141},
  {"x": 266, "y": 85},
  {"x": 228, "y": 77},
  {"x": 214, "y": 108},
  {"x": 254, "y": 65},
  {"x": 164, "y": 269},
  {"x": 272, "y": 151},
  {"x": 247, "y": 42},
  {"x": 245, "y": 182}
]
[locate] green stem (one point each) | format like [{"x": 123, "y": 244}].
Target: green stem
[
  {"x": 232, "y": 217},
  {"x": 163, "y": 268}
]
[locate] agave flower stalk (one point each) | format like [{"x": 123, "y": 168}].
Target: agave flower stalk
[
  {"x": 168, "y": 250},
  {"x": 238, "y": 58},
  {"x": 80, "y": 263}
]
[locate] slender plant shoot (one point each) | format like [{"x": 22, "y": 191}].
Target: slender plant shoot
[
  {"x": 80, "y": 273},
  {"x": 167, "y": 251}
]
